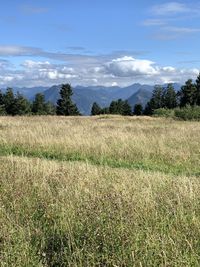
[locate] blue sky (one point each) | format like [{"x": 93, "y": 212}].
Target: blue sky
[{"x": 93, "y": 42}]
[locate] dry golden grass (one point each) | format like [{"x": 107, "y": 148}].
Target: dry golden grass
[
  {"x": 155, "y": 143},
  {"x": 75, "y": 214},
  {"x": 112, "y": 191}
]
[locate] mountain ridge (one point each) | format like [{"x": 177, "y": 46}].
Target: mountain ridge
[{"x": 85, "y": 96}]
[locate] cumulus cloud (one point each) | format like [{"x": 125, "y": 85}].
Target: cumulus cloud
[
  {"x": 4, "y": 64},
  {"x": 106, "y": 70},
  {"x": 128, "y": 66},
  {"x": 146, "y": 71}
]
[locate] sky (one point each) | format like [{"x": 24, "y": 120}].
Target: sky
[{"x": 98, "y": 42}]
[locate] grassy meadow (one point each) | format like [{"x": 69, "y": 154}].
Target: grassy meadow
[{"x": 100, "y": 191}]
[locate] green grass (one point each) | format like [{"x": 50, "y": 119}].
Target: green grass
[
  {"x": 155, "y": 164},
  {"x": 95, "y": 192},
  {"x": 75, "y": 214}
]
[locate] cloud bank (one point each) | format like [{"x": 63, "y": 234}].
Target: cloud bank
[{"x": 114, "y": 69}]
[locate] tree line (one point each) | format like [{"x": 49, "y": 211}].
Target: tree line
[
  {"x": 162, "y": 97},
  {"x": 118, "y": 107},
  {"x": 17, "y": 104}
]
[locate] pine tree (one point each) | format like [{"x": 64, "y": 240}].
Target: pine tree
[
  {"x": 105, "y": 110},
  {"x": 198, "y": 90},
  {"x": 38, "y": 106},
  {"x": 116, "y": 107},
  {"x": 169, "y": 97},
  {"x": 148, "y": 109},
  {"x": 138, "y": 110},
  {"x": 126, "y": 110},
  {"x": 156, "y": 100},
  {"x": 9, "y": 101},
  {"x": 96, "y": 109},
  {"x": 65, "y": 106},
  {"x": 21, "y": 106},
  {"x": 2, "y": 106},
  {"x": 188, "y": 94},
  {"x": 113, "y": 108},
  {"x": 50, "y": 108},
  {"x": 1, "y": 98},
  {"x": 157, "y": 97}
]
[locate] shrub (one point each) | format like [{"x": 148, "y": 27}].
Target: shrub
[
  {"x": 188, "y": 113},
  {"x": 163, "y": 112}
]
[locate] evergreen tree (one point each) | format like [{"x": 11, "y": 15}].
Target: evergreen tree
[
  {"x": 50, "y": 108},
  {"x": 126, "y": 110},
  {"x": 156, "y": 100},
  {"x": 138, "y": 110},
  {"x": 120, "y": 107},
  {"x": 198, "y": 90},
  {"x": 188, "y": 94},
  {"x": 2, "y": 110},
  {"x": 2, "y": 106},
  {"x": 105, "y": 110},
  {"x": 39, "y": 105},
  {"x": 116, "y": 107},
  {"x": 148, "y": 109},
  {"x": 21, "y": 106},
  {"x": 113, "y": 107},
  {"x": 65, "y": 106},
  {"x": 96, "y": 109},
  {"x": 157, "y": 97},
  {"x": 9, "y": 101},
  {"x": 169, "y": 97},
  {"x": 1, "y": 98}
]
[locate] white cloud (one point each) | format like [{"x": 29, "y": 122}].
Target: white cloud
[
  {"x": 172, "y": 33},
  {"x": 170, "y": 8},
  {"x": 30, "y": 64},
  {"x": 154, "y": 22},
  {"x": 169, "y": 69},
  {"x": 114, "y": 84},
  {"x": 106, "y": 70},
  {"x": 15, "y": 50},
  {"x": 128, "y": 66},
  {"x": 164, "y": 16},
  {"x": 182, "y": 30}
]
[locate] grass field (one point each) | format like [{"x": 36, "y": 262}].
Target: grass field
[{"x": 99, "y": 191}]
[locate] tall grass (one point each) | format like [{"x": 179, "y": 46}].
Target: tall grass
[
  {"x": 150, "y": 143},
  {"x": 103, "y": 191},
  {"x": 75, "y": 214}
]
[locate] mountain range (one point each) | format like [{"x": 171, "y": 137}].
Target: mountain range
[{"x": 84, "y": 97}]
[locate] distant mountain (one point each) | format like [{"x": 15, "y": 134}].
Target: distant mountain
[
  {"x": 84, "y": 97},
  {"x": 29, "y": 93},
  {"x": 126, "y": 92},
  {"x": 176, "y": 86},
  {"x": 142, "y": 96}
]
